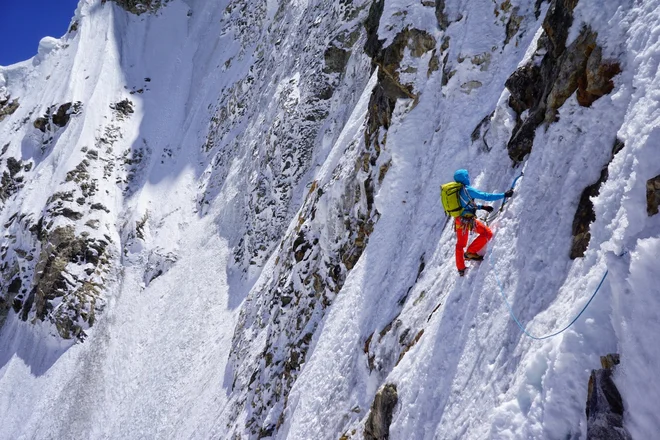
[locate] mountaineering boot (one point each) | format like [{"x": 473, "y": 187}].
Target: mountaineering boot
[
  {"x": 461, "y": 272},
  {"x": 473, "y": 256}
]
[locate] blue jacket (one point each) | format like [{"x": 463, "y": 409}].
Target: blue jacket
[{"x": 468, "y": 193}]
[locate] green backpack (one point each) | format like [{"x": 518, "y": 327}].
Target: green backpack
[{"x": 451, "y": 199}]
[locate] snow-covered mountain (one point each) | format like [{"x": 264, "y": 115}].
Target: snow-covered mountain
[{"x": 221, "y": 219}]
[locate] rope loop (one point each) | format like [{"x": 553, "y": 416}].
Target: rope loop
[
  {"x": 513, "y": 315},
  {"x": 499, "y": 284}
]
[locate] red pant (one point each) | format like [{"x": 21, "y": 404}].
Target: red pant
[{"x": 462, "y": 235}]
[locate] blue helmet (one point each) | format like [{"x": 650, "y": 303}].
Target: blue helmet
[{"x": 461, "y": 176}]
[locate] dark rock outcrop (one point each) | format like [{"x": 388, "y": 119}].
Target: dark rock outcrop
[
  {"x": 335, "y": 59},
  {"x": 14, "y": 166},
  {"x": 538, "y": 90},
  {"x": 408, "y": 345},
  {"x": 389, "y": 87},
  {"x": 63, "y": 115},
  {"x": 604, "y": 404},
  {"x": 557, "y": 23},
  {"x": 74, "y": 27},
  {"x": 570, "y": 67},
  {"x": 373, "y": 45},
  {"x": 381, "y": 107},
  {"x": 481, "y": 130},
  {"x": 653, "y": 195},
  {"x": 57, "y": 118},
  {"x": 389, "y": 59},
  {"x": 123, "y": 109},
  {"x": 526, "y": 87},
  {"x": 585, "y": 215},
  {"x": 7, "y": 107},
  {"x": 140, "y": 6},
  {"x": 440, "y": 15},
  {"x": 79, "y": 297},
  {"x": 6, "y": 302},
  {"x": 597, "y": 78},
  {"x": 513, "y": 25},
  {"x": 13, "y": 179},
  {"x": 379, "y": 420}
]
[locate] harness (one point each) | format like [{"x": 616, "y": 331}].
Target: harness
[{"x": 468, "y": 218}]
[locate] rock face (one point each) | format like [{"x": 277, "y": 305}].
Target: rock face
[
  {"x": 335, "y": 59},
  {"x": 57, "y": 118},
  {"x": 53, "y": 267},
  {"x": 7, "y": 107},
  {"x": 539, "y": 89},
  {"x": 123, "y": 109},
  {"x": 312, "y": 266},
  {"x": 288, "y": 134},
  {"x": 440, "y": 15},
  {"x": 584, "y": 215},
  {"x": 597, "y": 78},
  {"x": 310, "y": 269},
  {"x": 378, "y": 423},
  {"x": 140, "y": 6},
  {"x": 13, "y": 178},
  {"x": 570, "y": 66},
  {"x": 513, "y": 24},
  {"x": 653, "y": 195},
  {"x": 604, "y": 404},
  {"x": 54, "y": 277}
]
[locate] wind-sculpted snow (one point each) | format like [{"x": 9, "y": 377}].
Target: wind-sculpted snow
[{"x": 222, "y": 220}]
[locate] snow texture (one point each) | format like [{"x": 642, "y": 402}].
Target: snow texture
[{"x": 262, "y": 263}]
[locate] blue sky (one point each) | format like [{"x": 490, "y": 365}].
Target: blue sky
[{"x": 24, "y": 22}]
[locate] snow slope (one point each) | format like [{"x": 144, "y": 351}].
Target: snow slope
[{"x": 273, "y": 256}]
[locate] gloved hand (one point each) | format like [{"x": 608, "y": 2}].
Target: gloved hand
[
  {"x": 487, "y": 208},
  {"x": 509, "y": 193}
]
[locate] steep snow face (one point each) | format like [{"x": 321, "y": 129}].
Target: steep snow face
[{"x": 222, "y": 220}]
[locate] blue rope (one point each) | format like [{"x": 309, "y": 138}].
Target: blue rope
[
  {"x": 513, "y": 315},
  {"x": 499, "y": 283}
]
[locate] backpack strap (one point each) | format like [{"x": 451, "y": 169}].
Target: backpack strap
[{"x": 469, "y": 201}]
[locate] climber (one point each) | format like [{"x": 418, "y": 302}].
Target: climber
[{"x": 467, "y": 220}]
